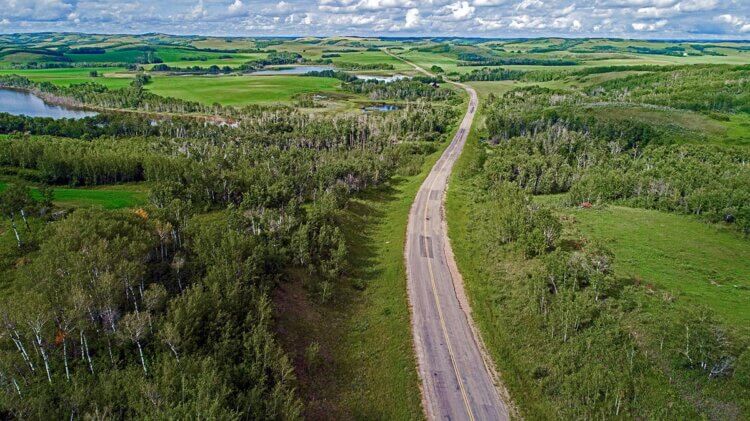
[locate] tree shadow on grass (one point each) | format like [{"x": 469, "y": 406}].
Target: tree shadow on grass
[
  {"x": 362, "y": 219},
  {"x": 302, "y": 319}
]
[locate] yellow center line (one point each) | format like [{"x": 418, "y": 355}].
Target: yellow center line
[
  {"x": 437, "y": 299},
  {"x": 461, "y": 132}
]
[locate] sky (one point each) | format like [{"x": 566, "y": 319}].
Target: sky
[{"x": 653, "y": 19}]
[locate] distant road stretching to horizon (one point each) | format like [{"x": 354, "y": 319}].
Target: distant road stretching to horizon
[{"x": 456, "y": 382}]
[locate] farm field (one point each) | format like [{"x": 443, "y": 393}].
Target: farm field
[{"x": 240, "y": 90}]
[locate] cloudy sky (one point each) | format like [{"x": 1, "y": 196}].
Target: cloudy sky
[{"x": 485, "y": 18}]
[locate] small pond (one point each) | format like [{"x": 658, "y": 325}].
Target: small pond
[
  {"x": 381, "y": 108},
  {"x": 24, "y": 103},
  {"x": 386, "y": 79},
  {"x": 292, "y": 70}
]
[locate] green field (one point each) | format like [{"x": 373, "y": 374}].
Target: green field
[
  {"x": 240, "y": 90},
  {"x": 108, "y": 197},
  {"x": 112, "y": 77},
  {"x": 697, "y": 262}
]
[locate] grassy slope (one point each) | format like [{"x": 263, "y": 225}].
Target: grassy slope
[
  {"x": 369, "y": 370},
  {"x": 699, "y": 263},
  {"x": 239, "y": 90},
  {"x": 672, "y": 252}
]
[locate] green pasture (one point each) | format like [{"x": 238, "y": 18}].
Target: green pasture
[
  {"x": 697, "y": 262},
  {"x": 240, "y": 90}
]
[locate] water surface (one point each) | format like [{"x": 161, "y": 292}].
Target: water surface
[
  {"x": 25, "y": 103},
  {"x": 386, "y": 79},
  {"x": 382, "y": 108}
]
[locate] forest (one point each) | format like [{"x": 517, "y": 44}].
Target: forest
[{"x": 163, "y": 311}]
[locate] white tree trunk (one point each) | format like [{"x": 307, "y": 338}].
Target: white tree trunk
[{"x": 143, "y": 360}]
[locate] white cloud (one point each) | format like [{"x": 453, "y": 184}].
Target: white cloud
[
  {"x": 527, "y": 22},
  {"x": 413, "y": 19},
  {"x": 199, "y": 11},
  {"x": 460, "y": 10},
  {"x": 488, "y": 24},
  {"x": 649, "y": 27},
  {"x": 502, "y": 18},
  {"x": 530, "y": 4},
  {"x": 488, "y": 3},
  {"x": 236, "y": 7}
]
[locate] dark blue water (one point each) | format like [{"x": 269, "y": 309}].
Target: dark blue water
[{"x": 24, "y": 103}]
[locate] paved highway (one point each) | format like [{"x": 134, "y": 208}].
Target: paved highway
[{"x": 456, "y": 382}]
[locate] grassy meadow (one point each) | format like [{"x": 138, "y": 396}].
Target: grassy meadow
[
  {"x": 108, "y": 197},
  {"x": 698, "y": 263},
  {"x": 240, "y": 90}
]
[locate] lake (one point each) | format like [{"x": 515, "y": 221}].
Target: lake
[
  {"x": 25, "y": 103},
  {"x": 291, "y": 70}
]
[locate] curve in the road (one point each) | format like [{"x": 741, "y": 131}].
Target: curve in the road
[{"x": 457, "y": 383}]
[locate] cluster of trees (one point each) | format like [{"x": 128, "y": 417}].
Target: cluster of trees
[
  {"x": 488, "y": 74},
  {"x": 127, "y": 320},
  {"x": 697, "y": 88},
  {"x": 345, "y": 65},
  {"x": 336, "y": 74},
  {"x": 409, "y": 90},
  {"x": 197, "y": 70}
]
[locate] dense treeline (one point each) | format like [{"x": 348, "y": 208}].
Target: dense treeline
[
  {"x": 494, "y": 74},
  {"x": 579, "y": 148},
  {"x": 409, "y": 90},
  {"x": 698, "y": 88},
  {"x": 487, "y": 74},
  {"x": 516, "y": 61}
]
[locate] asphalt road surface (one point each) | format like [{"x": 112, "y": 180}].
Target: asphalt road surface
[{"x": 456, "y": 383}]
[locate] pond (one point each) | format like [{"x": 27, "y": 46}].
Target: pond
[
  {"x": 381, "y": 108},
  {"x": 386, "y": 79},
  {"x": 292, "y": 70},
  {"x": 24, "y": 103}
]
